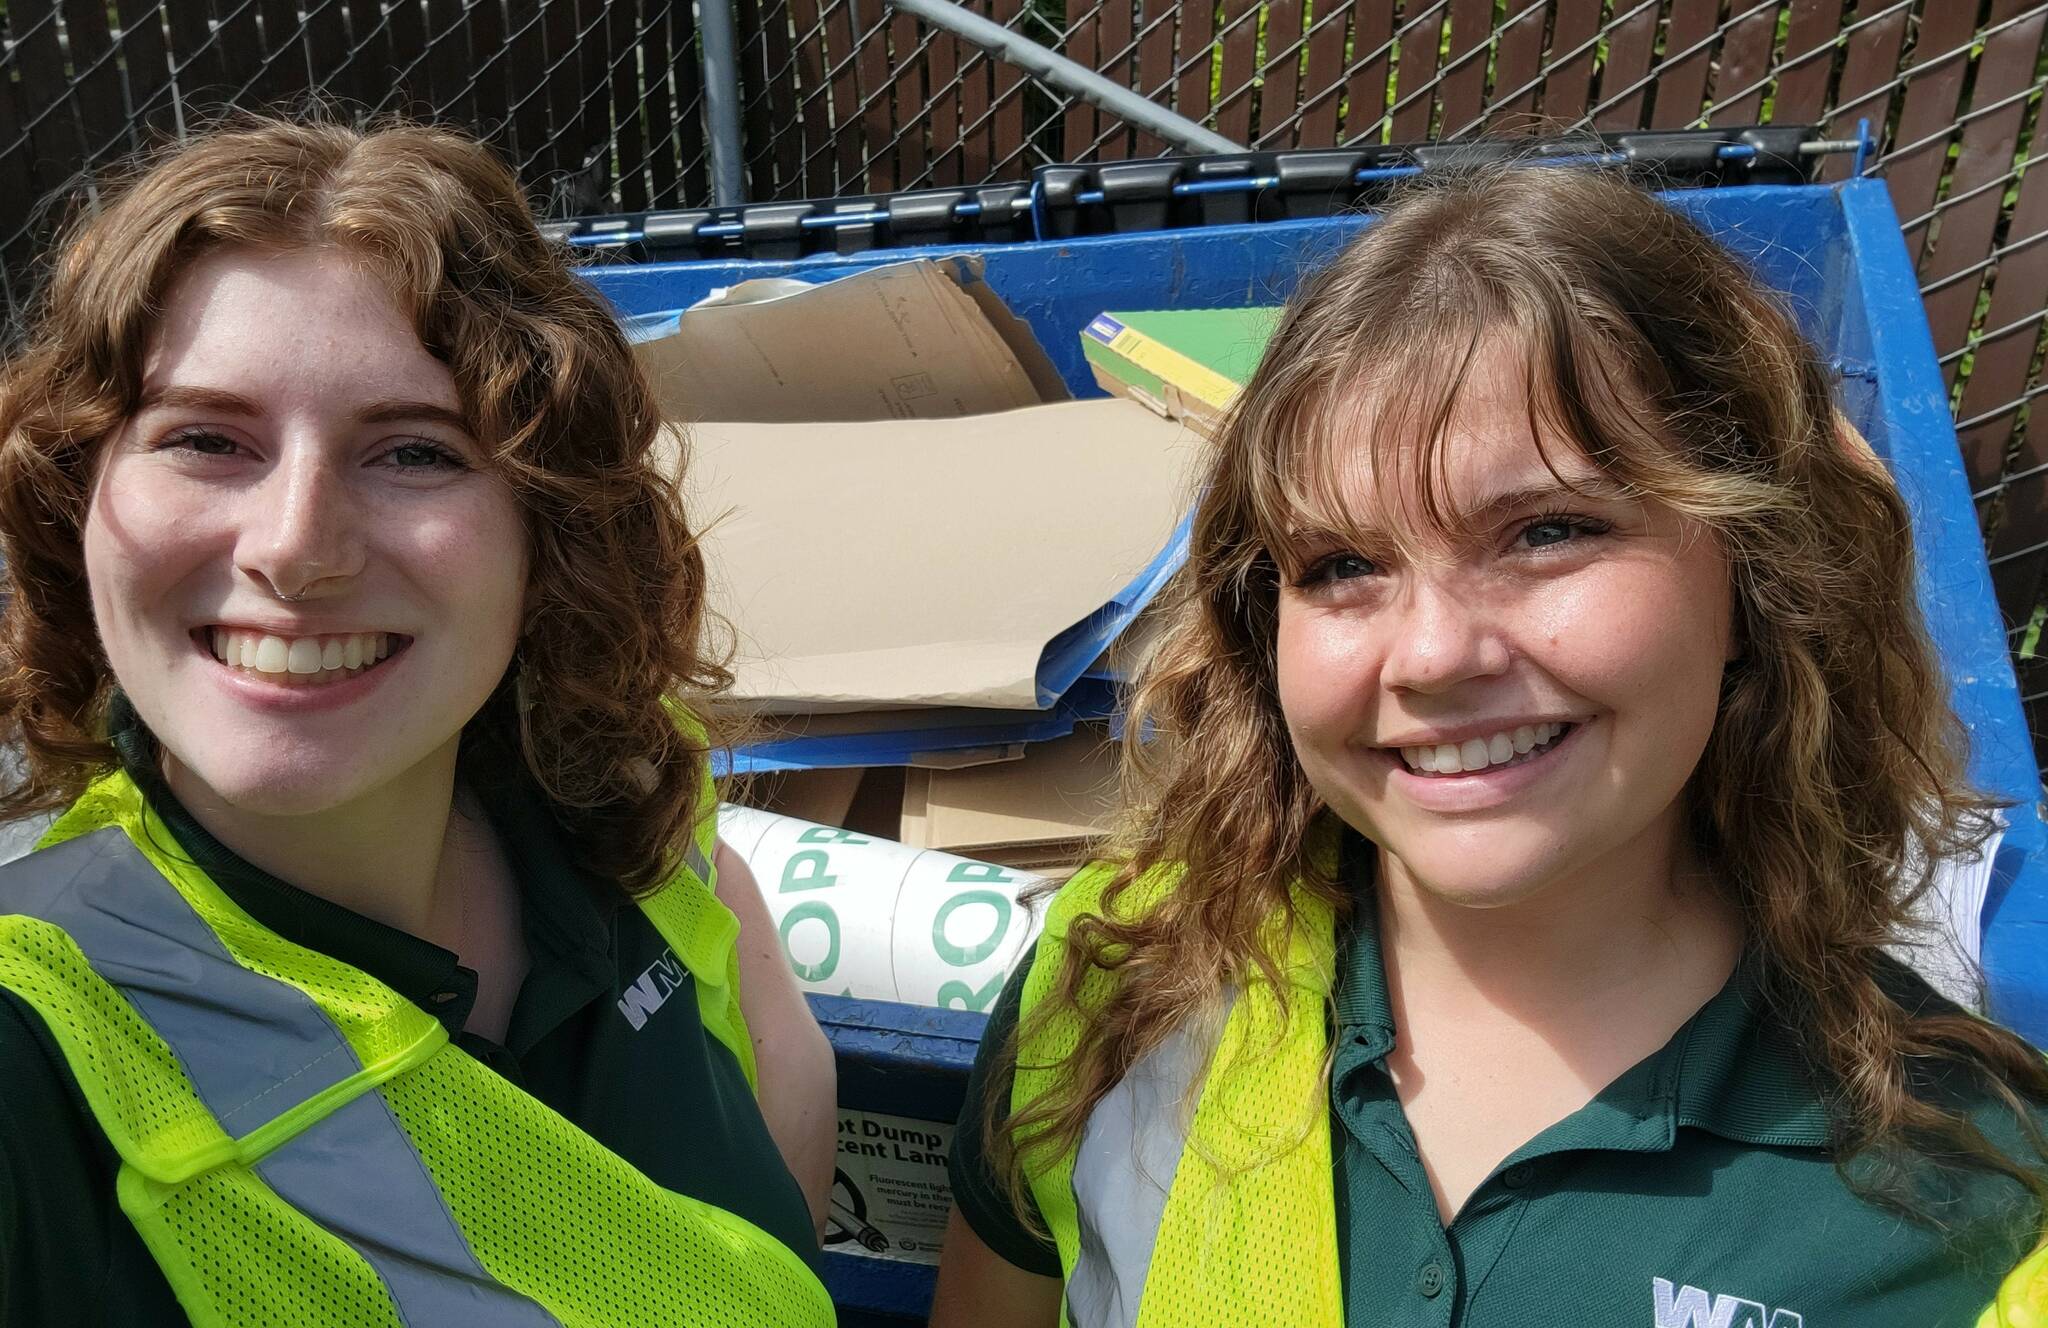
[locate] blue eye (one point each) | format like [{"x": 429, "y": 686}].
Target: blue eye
[
  {"x": 1334, "y": 568},
  {"x": 1546, "y": 531},
  {"x": 203, "y": 441},
  {"x": 421, "y": 455}
]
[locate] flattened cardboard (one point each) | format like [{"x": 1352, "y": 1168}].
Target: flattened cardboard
[
  {"x": 927, "y": 562},
  {"x": 906, "y": 341},
  {"x": 1061, "y": 791}
]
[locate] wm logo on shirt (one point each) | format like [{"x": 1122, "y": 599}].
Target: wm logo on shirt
[
  {"x": 651, "y": 990},
  {"x": 1690, "y": 1307}
]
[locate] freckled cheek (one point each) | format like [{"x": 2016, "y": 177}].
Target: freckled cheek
[
  {"x": 1323, "y": 670},
  {"x": 1644, "y": 636},
  {"x": 142, "y": 540}
]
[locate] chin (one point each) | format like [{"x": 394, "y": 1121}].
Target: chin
[{"x": 300, "y": 791}]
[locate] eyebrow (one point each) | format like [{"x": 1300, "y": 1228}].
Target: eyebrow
[
  {"x": 233, "y": 403},
  {"x": 1492, "y": 508}
]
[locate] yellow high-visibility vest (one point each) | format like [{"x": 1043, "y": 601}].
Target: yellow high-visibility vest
[{"x": 301, "y": 1146}]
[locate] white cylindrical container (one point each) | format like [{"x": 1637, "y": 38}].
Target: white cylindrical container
[{"x": 867, "y": 917}]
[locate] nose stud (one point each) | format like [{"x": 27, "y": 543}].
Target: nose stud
[{"x": 289, "y": 599}]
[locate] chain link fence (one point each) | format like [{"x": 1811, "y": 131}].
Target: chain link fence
[{"x": 599, "y": 105}]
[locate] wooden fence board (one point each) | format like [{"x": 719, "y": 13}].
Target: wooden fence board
[
  {"x": 871, "y": 61},
  {"x": 1686, "y": 64},
  {"x": 1117, "y": 40},
  {"x": 1329, "y": 24},
  {"x": 838, "y": 19},
  {"x": 1372, "y": 59},
  {"x": 1998, "y": 374},
  {"x": 944, "y": 64},
  {"x": 1746, "y": 52},
  {"x": 370, "y": 62},
  {"x": 1192, "y": 47},
  {"x": 1154, "y": 76},
  {"x": 1280, "y": 74},
  {"x": 1240, "y": 38},
  {"x": 57, "y": 147},
  {"x": 1518, "y": 63},
  {"x": 811, "y": 61},
  {"x": 1984, "y": 160},
  {"x": 623, "y": 37},
  {"x": 1567, "y": 92},
  {"x": 1801, "y": 94},
  {"x": 449, "y": 65},
  {"x": 1931, "y": 101},
  {"x": 784, "y": 111},
  {"x": 195, "y": 56},
  {"x": 526, "y": 89},
  {"x": 96, "y": 92},
  {"x": 1079, "y": 124},
  {"x": 1463, "y": 94},
  {"x": 407, "y": 30},
  {"x": 977, "y": 118},
  {"x": 145, "y": 54},
  {"x": 910, "y": 112},
  {"x": 1421, "y": 38},
  {"x": 1006, "y": 143},
  {"x": 1624, "y": 94},
  {"x": 694, "y": 185},
  {"x": 1870, "y": 68}
]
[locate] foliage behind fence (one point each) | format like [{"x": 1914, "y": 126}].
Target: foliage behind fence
[{"x": 599, "y": 106}]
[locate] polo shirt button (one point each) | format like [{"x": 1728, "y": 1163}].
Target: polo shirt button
[
  {"x": 1518, "y": 1175},
  {"x": 1431, "y": 1280}
]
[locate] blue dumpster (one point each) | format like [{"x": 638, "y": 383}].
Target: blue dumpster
[{"x": 1835, "y": 253}]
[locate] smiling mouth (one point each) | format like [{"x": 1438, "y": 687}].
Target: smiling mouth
[
  {"x": 1510, "y": 747},
  {"x": 300, "y": 661}
]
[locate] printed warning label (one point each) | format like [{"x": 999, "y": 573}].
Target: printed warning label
[{"x": 890, "y": 1198}]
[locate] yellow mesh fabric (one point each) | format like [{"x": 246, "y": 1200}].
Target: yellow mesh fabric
[
  {"x": 547, "y": 1210},
  {"x": 560, "y": 1219},
  {"x": 240, "y": 1257},
  {"x": 130, "y": 1078},
  {"x": 1249, "y": 1234},
  {"x": 2023, "y": 1300}
]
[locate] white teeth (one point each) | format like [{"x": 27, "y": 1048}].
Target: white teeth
[
  {"x": 272, "y": 654},
  {"x": 1479, "y": 753},
  {"x": 306, "y": 659}
]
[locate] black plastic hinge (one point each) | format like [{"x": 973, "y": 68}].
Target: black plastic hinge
[{"x": 774, "y": 230}]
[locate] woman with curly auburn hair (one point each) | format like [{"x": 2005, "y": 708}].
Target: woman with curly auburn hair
[
  {"x": 1542, "y": 756},
  {"x": 384, "y": 965}
]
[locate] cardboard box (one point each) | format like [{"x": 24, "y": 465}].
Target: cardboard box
[
  {"x": 1063, "y": 793},
  {"x": 909, "y": 341},
  {"x": 1184, "y": 364}
]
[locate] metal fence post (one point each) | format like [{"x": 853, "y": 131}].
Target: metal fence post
[{"x": 722, "y": 101}]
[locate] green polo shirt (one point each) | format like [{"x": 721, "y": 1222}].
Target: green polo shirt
[
  {"x": 665, "y": 1095},
  {"x": 1695, "y": 1191}
]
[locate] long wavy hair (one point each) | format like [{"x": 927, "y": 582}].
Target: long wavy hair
[
  {"x": 1834, "y": 774},
  {"x": 551, "y": 391}
]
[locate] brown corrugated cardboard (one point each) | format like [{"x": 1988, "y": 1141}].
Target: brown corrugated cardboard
[
  {"x": 918, "y": 340},
  {"x": 926, "y": 562},
  {"x": 1059, "y": 792}
]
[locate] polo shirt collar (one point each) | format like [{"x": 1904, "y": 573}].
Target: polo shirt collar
[
  {"x": 1733, "y": 1070},
  {"x": 567, "y": 913}
]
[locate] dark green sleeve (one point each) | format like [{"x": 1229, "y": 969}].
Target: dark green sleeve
[
  {"x": 68, "y": 1255},
  {"x": 977, "y": 1190}
]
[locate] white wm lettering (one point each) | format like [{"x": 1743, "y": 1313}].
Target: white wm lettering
[
  {"x": 650, "y": 990},
  {"x": 1690, "y": 1307}
]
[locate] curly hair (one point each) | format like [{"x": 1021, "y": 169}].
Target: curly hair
[
  {"x": 551, "y": 391},
  {"x": 1834, "y": 774}
]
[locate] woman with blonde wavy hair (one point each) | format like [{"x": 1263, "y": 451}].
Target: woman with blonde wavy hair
[
  {"x": 383, "y": 965},
  {"x": 1543, "y": 753}
]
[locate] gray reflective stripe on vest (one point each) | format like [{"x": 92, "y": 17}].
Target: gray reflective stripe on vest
[
  {"x": 1124, "y": 1169},
  {"x": 693, "y": 858},
  {"x": 254, "y": 1048}
]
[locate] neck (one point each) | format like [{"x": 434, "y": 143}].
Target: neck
[
  {"x": 379, "y": 855},
  {"x": 1645, "y": 919}
]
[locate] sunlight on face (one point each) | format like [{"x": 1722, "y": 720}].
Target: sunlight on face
[
  {"x": 1507, "y": 711},
  {"x": 303, "y": 574}
]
